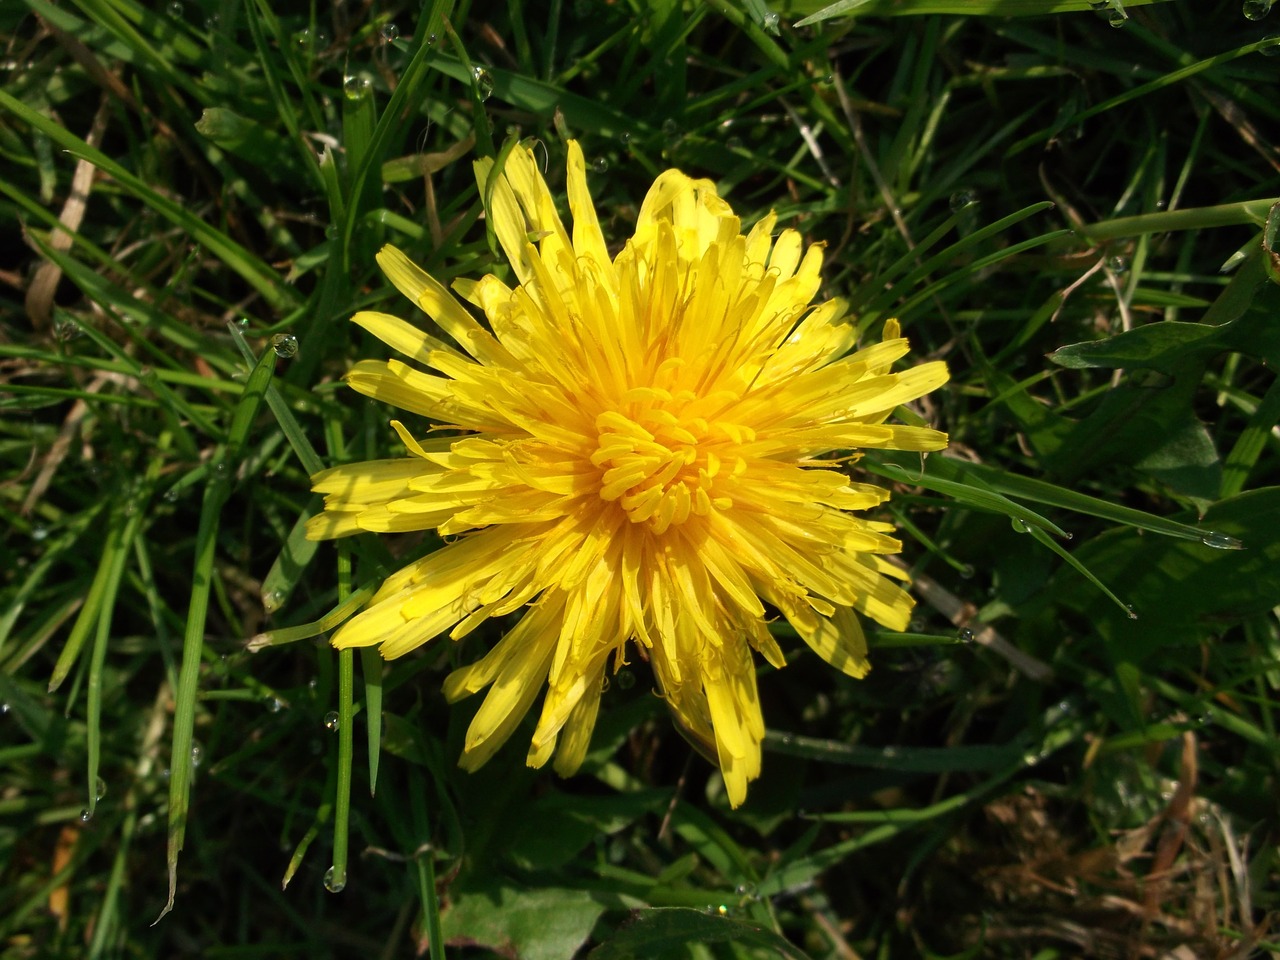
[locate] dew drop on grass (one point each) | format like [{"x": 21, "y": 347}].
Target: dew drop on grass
[
  {"x": 211, "y": 22},
  {"x": 331, "y": 722},
  {"x": 1256, "y": 9},
  {"x": 99, "y": 789},
  {"x": 967, "y": 635},
  {"x": 274, "y": 704},
  {"x": 670, "y": 128},
  {"x": 285, "y": 345},
  {"x": 1273, "y": 46},
  {"x": 1117, "y": 264},
  {"x": 961, "y": 199},
  {"x": 39, "y": 533},
  {"x": 1117, "y": 18},
  {"x": 390, "y": 33},
  {"x": 197, "y": 754},
  {"x": 4, "y": 709},
  {"x": 356, "y": 86},
  {"x": 302, "y": 39},
  {"x": 333, "y": 883},
  {"x": 175, "y": 10},
  {"x": 86, "y": 815},
  {"x": 483, "y": 81},
  {"x": 770, "y": 22},
  {"x": 600, "y": 165},
  {"x": 1133, "y": 615},
  {"x": 1221, "y": 541}
]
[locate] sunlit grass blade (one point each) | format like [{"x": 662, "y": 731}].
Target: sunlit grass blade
[
  {"x": 966, "y": 8},
  {"x": 306, "y": 631}
]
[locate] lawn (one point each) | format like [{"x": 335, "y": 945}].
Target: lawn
[{"x": 1069, "y": 751}]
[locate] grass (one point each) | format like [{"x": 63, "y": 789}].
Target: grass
[{"x": 1072, "y": 751}]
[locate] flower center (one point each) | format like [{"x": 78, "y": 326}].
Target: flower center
[{"x": 657, "y": 466}]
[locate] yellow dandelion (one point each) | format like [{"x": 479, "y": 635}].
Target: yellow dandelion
[{"x": 634, "y": 456}]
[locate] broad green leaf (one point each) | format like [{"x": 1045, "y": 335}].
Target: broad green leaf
[
  {"x": 532, "y": 923},
  {"x": 1182, "y": 592}
]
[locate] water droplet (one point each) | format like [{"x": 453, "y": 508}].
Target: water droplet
[
  {"x": 334, "y": 883},
  {"x": 66, "y": 330},
  {"x": 99, "y": 789},
  {"x": 211, "y": 22},
  {"x": 829, "y": 79},
  {"x": 1256, "y": 9},
  {"x": 390, "y": 33},
  {"x": 1204, "y": 718},
  {"x": 600, "y": 165},
  {"x": 1030, "y": 757},
  {"x": 1019, "y": 526},
  {"x": 624, "y": 138},
  {"x": 625, "y": 679},
  {"x": 274, "y": 704},
  {"x": 197, "y": 754},
  {"x": 4, "y": 709},
  {"x": 432, "y": 39},
  {"x": 1099, "y": 5},
  {"x": 86, "y": 815},
  {"x": 1221, "y": 541},
  {"x": 770, "y": 22},
  {"x": 1132, "y": 614},
  {"x": 302, "y": 40},
  {"x": 670, "y": 128},
  {"x": 39, "y": 533},
  {"x": 967, "y": 635},
  {"x": 483, "y": 82},
  {"x": 331, "y": 722},
  {"x": 1162, "y": 204},
  {"x": 175, "y": 10},
  {"x": 285, "y": 345},
  {"x": 356, "y": 86},
  {"x": 1273, "y": 46},
  {"x": 1118, "y": 264},
  {"x": 171, "y": 495},
  {"x": 322, "y": 40},
  {"x": 220, "y": 468},
  {"x": 968, "y": 571},
  {"x": 961, "y": 199},
  {"x": 1117, "y": 18}
]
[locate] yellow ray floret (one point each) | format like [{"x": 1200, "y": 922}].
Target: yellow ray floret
[{"x": 639, "y": 448}]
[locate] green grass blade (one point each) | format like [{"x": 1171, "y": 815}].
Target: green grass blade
[
  {"x": 216, "y": 492},
  {"x": 252, "y": 270}
]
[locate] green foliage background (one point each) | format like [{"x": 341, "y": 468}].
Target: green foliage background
[{"x": 1073, "y": 752}]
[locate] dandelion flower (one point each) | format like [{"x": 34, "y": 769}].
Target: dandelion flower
[{"x": 637, "y": 454}]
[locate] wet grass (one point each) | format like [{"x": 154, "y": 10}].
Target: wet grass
[{"x": 1072, "y": 751}]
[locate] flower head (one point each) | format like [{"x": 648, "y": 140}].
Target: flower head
[{"x": 635, "y": 457}]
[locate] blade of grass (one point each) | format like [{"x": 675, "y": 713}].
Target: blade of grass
[
  {"x": 187, "y": 693},
  {"x": 252, "y": 270}
]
